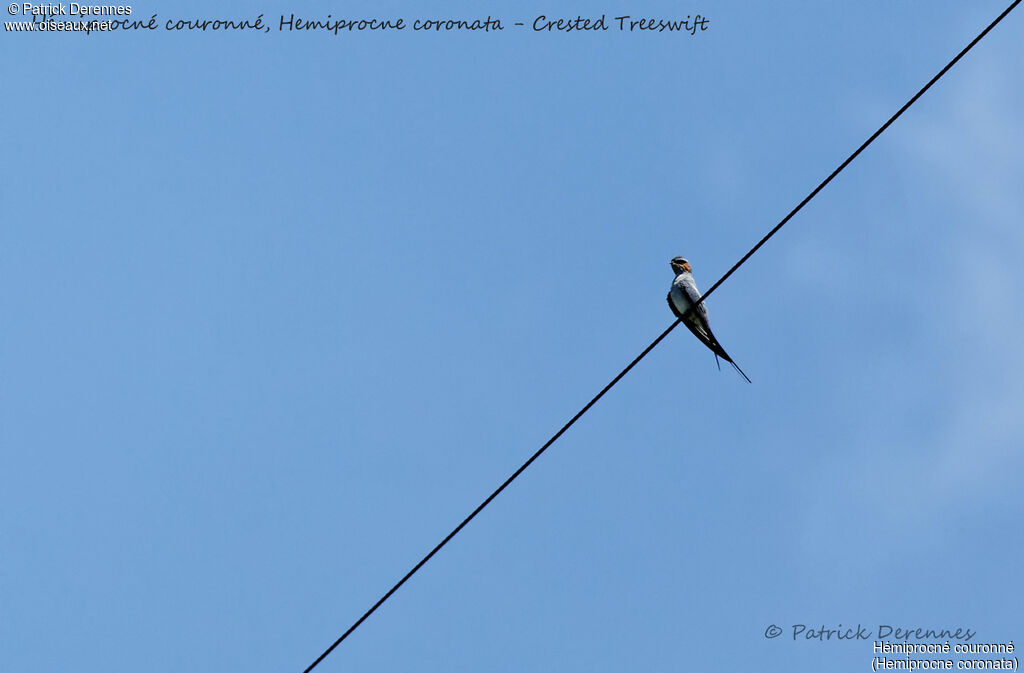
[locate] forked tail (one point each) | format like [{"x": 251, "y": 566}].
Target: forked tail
[
  {"x": 740, "y": 370},
  {"x": 719, "y": 352}
]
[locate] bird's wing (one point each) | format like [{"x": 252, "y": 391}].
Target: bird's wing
[
  {"x": 690, "y": 288},
  {"x": 696, "y": 320}
]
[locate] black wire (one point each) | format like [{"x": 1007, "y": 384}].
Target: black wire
[
  {"x": 654, "y": 343},
  {"x": 860, "y": 149},
  {"x": 494, "y": 495}
]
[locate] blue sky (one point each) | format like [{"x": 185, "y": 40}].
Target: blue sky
[{"x": 279, "y": 310}]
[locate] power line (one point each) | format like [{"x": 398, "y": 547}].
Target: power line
[
  {"x": 658, "y": 340},
  {"x": 494, "y": 495},
  {"x": 860, "y": 149}
]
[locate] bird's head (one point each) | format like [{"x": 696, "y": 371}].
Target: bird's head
[{"x": 679, "y": 265}]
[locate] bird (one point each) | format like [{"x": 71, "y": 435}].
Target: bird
[{"x": 682, "y": 298}]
